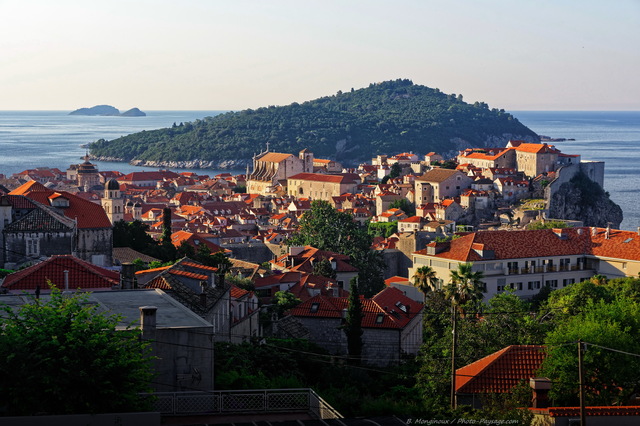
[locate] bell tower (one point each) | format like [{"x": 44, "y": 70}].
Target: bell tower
[{"x": 112, "y": 201}]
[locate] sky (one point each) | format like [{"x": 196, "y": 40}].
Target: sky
[{"x": 238, "y": 54}]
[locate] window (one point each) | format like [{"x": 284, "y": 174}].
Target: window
[
  {"x": 314, "y": 307},
  {"x": 379, "y": 318},
  {"x": 33, "y": 246}
]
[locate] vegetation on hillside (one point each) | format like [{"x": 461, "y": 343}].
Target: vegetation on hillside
[{"x": 382, "y": 118}]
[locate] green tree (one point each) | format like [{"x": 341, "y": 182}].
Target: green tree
[
  {"x": 327, "y": 229},
  {"x": 610, "y": 376},
  {"x": 395, "y": 171},
  {"x": 133, "y": 234},
  {"x": 425, "y": 280},
  {"x": 404, "y": 205},
  {"x": 323, "y": 268},
  {"x": 353, "y": 324},
  {"x": 465, "y": 286},
  {"x": 284, "y": 301},
  {"x": 166, "y": 226},
  {"x": 63, "y": 356}
]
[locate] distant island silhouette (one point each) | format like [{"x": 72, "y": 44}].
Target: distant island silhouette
[{"x": 108, "y": 110}]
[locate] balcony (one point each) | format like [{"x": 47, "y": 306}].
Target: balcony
[
  {"x": 271, "y": 402},
  {"x": 543, "y": 269}
]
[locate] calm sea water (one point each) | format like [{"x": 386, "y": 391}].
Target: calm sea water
[
  {"x": 30, "y": 139},
  {"x": 609, "y": 136}
]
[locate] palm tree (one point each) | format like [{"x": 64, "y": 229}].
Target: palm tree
[
  {"x": 466, "y": 285},
  {"x": 425, "y": 279}
]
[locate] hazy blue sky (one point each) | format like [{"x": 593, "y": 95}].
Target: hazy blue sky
[{"x": 234, "y": 54}]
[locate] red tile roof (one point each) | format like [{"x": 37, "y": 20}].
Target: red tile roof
[
  {"x": 517, "y": 244},
  {"x": 500, "y": 371},
  {"x": 390, "y": 298},
  {"x": 544, "y": 242},
  {"x": 82, "y": 275},
  {"x": 537, "y": 148},
  {"x": 87, "y": 213},
  {"x": 274, "y": 157}
]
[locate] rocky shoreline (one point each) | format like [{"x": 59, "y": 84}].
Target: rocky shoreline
[{"x": 191, "y": 164}]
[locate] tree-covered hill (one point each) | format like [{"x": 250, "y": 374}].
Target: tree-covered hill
[{"x": 387, "y": 117}]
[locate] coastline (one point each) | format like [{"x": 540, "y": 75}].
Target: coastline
[{"x": 191, "y": 164}]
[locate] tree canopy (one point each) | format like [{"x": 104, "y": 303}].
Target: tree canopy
[
  {"x": 382, "y": 118},
  {"x": 325, "y": 228},
  {"x": 62, "y": 356}
]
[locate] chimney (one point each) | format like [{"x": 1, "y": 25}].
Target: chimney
[
  {"x": 540, "y": 387},
  {"x": 607, "y": 233},
  {"x": 66, "y": 280},
  {"x": 148, "y": 322},
  {"x": 127, "y": 274}
]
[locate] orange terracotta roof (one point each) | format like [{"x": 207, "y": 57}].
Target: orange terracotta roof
[
  {"x": 517, "y": 244},
  {"x": 375, "y": 315},
  {"x": 82, "y": 275},
  {"x": 274, "y": 157},
  {"x": 237, "y": 292},
  {"x": 537, "y": 148},
  {"x": 500, "y": 371},
  {"x": 187, "y": 274},
  {"x": 87, "y": 213}
]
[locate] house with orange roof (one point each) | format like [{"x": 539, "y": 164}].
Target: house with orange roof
[
  {"x": 245, "y": 323},
  {"x": 271, "y": 169},
  {"x": 147, "y": 179},
  {"x": 302, "y": 259},
  {"x": 66, "y": 272},
  {"x": 497, "y": 373},
  {"x": 485, "y": 158},
  {"x": 525, "y": 261},
  {"x": 475, "y": 199},
  {"x": 439, "y": 184},
  {"x": 319, "y": 186},
  {"x": 326, "y": 166},
  {"x": 535, "y": 158},
  {"x": 433, "y": 157},
  {"x": 392, "y": 325},
  {"x": 93, "y": 233},
  {"x": 199, "y": 288},
  {"x": 511, "y": 189},
  {"x": 410, "y": 224},
  {"x": 391, "y": 215},
  {"x": 195, "y": 240}
]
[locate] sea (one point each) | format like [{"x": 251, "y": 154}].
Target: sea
[{"x": 31, "y": 139}]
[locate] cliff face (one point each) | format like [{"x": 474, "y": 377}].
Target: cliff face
[{"x": 583, "y": 199}]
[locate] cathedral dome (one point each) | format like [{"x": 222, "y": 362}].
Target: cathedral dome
[{"x": 113, "y": 185}]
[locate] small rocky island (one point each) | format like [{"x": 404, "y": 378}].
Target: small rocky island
[{"x": 108, "y": 110}]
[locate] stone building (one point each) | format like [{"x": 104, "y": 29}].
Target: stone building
[
  {"x": 392, "y": 325},
  {"x": 112, "y": 201},
  {"x": 439, "y": 184},
  {"x": 271, "y": 169},
  {"x": 319, "y": 186},
  {"x": 92, "y": 239},
  {"x": 87, "y": 175}
]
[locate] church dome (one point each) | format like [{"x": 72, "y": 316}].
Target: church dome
[{"x": 113, "y": 185}]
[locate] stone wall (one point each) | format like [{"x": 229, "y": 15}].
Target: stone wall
[
  {"x": 381, "y": 346},
  {"x": 185, "y": 359}
]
